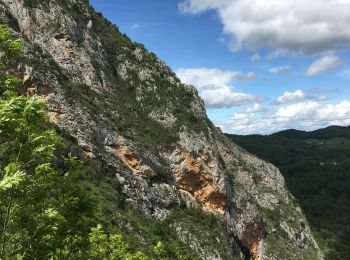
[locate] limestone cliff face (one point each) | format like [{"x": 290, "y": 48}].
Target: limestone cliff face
[{"x": 126, "y": 108}]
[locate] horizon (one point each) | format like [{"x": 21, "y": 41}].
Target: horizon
[
  {"x": 256, "y": 73},
  {"x": 293, "y": 129}
]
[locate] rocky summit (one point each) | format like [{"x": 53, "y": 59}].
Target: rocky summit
[{"x": 126, "y": 109}]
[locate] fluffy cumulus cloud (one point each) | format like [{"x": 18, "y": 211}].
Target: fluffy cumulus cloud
[
  {"x": 323, "y": 64},
  {"x": 307, "y": 116},
  {"x": 224, "y": 96},
  {"x": 214, "y": 86},
  {"x": 207, "y": 77},
  {"x": 313, "y": 111},
  {"x": 290, "y": 96},
  {"x": 280, "y": 24}
]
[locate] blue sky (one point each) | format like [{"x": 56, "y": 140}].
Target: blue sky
[{"x": 260, "y": 66}]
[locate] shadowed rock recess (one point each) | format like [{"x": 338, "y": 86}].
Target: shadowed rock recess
[{"x": 126, "y": 108}]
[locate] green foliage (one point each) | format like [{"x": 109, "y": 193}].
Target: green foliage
[
  {"x": 44, "y": 212},
  {"x": 10, "y": 48},
  {"x": 103, "y": 246},
  {"x": 12, "y": 177},
  {"x": 9, "y": 45},
  {"x": 39, "y": 202},
  {"x": 8, "y": 83},
  {"x": 316, "y": 167}
]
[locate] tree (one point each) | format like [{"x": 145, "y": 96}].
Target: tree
[
  {"x": 44, "y": 212},
  {"x": 10, "y": 48},
  {"x": 41, "y": 206},
  {"x": 103, "y": 246}
]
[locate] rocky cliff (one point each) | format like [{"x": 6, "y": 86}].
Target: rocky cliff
[{"x": 127, "y": 109}]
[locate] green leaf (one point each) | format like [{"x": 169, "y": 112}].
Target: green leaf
[{"x": 13, "y": 177}]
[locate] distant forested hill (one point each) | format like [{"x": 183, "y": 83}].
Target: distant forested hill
[{"x": 316, "y": 167}]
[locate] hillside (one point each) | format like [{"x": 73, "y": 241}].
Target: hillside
[
  {"x": 316, "y": 168},
  {"x": 156, "y": 166}
]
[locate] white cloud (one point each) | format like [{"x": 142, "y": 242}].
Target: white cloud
[
  {"x": 201, "y": 78},
  {"x": 304, "y": 116},
  {"x": 280, "y": 69},
  {"x": 255, "y": 57},
  {"x": 313, "y": 111},
  {"x": 306, "y": 27},
  {"x": 204, "y": 77},
  {"x": 255, "y": 109},
  {"x": 297, "y": 111},
  {"x": 213, "y": 86},
  {"x": 224, "y": 96},
  {"x": 323, "y": 64},
  {"x": 298, "y": 95}
]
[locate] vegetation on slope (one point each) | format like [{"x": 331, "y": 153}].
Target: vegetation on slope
[
  {"x": 53, "y": 205},
  {"x": 122, "y": 107},
  {"x": 44, "y": 211},
  {"x": 316, "y": 168}
]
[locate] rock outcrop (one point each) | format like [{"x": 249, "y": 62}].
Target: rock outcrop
[{"x": 127, "y": 109}]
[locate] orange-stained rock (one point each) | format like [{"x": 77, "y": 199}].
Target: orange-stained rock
[
  {"x": 130, "y": 157},
  {"x": 132, "y": 160},
  {"x": 252, "y": 235},
  {"x": 213, "y": 198},
  {"x": 194, "y": 167},
  {"x": 254, "y": 250},
  {"x": 194, "y": 177}
]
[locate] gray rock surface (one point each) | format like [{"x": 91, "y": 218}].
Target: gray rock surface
[{"x": 93, "y": 85}]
